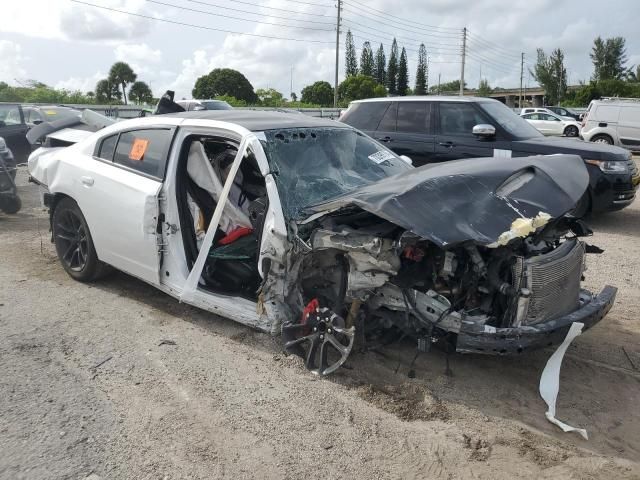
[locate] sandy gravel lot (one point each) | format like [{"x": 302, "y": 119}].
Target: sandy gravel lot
[{"x": 87, "y": 389}]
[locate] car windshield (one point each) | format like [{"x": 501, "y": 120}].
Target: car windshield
[
  {"x": 510, "y": 121},
  {"x": 312, "y": 165},
  {"x": 216, "y": 105},
  {"x": 53, "y": 113}
]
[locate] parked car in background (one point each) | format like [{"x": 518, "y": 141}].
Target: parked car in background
[
  {"x": 565, "y": 112},
  {"x": 436, "y": 129},
  {"x": 13, "y": 129},
  {"x": 614, "y": 121},
  {"x": 9, "y": 199},
  {"x": 527, "y": 110},
  {"x": 307, "y": 228},
  {"x": 35, "y": 115},
  {"x": 194, "y": 105},
  {"x": 552, "y": 124}
]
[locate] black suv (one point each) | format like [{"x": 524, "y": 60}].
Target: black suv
[
  {"x": 437, "y": 129},
  {"x": 13, "y": 129}
]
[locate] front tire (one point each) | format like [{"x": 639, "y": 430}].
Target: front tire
[
  {"x": 571, "y": 131},
  {"x": 602, "y": 139},
  {"x": 73, "y": 242}
]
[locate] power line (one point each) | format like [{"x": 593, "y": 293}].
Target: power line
[
  {"x": 202, "y": 27},
  {"x": 494, "y": 46},
  {"x": 266, "y": 14},
  {"x": 392, "y": 24},
  {"x": 450, "y": 46},
  {"x": 484, "y": 58},
  {"x": 417, "y": 24},
  {"x": 310, "y": 3},
  {"x": 238, "y": 18}
]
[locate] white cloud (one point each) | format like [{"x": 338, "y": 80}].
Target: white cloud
[
  {"x": 141, "y": 57},
  {"x": 83, "y": 84},
  {"x": 53, "y": 19},
  {"x": 12, "y": 64}
]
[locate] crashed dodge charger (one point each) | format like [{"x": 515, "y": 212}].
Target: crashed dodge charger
[{"x": 309, "y": 229}]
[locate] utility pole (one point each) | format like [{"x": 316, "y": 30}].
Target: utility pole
[
  {"x": 464, "y": 54},
  {"x": 291, "y": 84},
  {"x": 439, "y": 83},
  {"x": 335, "y": 83},
  {"x": 521, "y": 79}
]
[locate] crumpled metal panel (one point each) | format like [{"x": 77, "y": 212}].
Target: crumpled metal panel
[{"x": 458, "y": 201}]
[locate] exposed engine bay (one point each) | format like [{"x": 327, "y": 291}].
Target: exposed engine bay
[{"x": 369, "y": 274}]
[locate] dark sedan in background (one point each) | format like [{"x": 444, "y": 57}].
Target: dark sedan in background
[{"x": 437, "y": 129}]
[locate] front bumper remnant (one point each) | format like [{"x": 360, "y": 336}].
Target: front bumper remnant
[{"x": 505, "y": 341}]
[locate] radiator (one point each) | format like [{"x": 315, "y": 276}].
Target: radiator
[{"x": 553, "y": 280}]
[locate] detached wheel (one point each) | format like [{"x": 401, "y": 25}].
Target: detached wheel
[
  {"x": 571, "y": 131},
  {"x": 74, "y": 244},
  {"x": 11, "y": 205},
  {"x": 602, "y": 139}
]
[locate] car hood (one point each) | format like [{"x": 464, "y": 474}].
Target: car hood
[
  {"x": 575, "y": 146},
  {"x": 485, "y": 200}
]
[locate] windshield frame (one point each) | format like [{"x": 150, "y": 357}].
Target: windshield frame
[{"x": 528, "y": 131}]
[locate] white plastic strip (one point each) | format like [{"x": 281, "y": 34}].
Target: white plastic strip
[
  {"x": 196, "y": 272},
  {"x": 550, "y": 380}
]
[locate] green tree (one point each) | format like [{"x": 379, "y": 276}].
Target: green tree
[
  {"x": 318, "y": 93},
  {"x": 350, "y": 58},
  {"x": 633, "y": 76},
  {"x": 358, "y": 87},
  {"x": 392, "y": 69},
  {"x": 380, "y": 67},
  {"x": 294, "y": 97},
  {"x": 140, "y": 92},
  {"x": 422, "y": 73},
  {"x": 270, "y": 97},
  {"x": 551, "y": 74},
  {"x": 107, "y": 91},
  {"x": 484, "y": 89},
  {"x": 403, "y": 74},
  {"x": 447, "y": 87},
  {"x": 122, "y": 74},
  {"x": 609, "y": 57},
  {"x": 367, "y": 62},
  {"x": 224, "y": 81}
]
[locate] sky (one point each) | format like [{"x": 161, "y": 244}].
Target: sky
[{"x": 68, "y": 44}]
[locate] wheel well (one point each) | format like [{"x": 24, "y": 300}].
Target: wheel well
[
  {"x": 52, "y": 201},
  {"x": 601, "y": 135}
]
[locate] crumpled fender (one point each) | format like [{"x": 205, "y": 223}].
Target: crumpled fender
[{"x": 476, "y": 199}]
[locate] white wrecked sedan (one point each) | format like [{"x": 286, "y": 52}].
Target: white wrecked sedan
[{"x": 308, "y": 229}]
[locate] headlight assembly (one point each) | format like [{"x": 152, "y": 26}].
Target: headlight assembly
[{"x": 610, "y": 167}]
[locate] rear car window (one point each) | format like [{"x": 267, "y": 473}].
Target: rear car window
[
  {"x": 107, "y": 147},
  {"x": 365, "y": 116},
  {"x": 630, "y": 114},
  {"x": 388, "y": 122},
  {"x": 144, "y": 151},
  {"x": 10, "y": 114},
  {"x": 414, "y": 117}
]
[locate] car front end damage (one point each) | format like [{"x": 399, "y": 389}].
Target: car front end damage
[{"x": 483, "y": 257}]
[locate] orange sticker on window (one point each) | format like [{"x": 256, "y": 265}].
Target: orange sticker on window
[{"x": 138, "y": 148}]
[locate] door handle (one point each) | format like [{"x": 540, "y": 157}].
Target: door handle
[
  {"x": 385, "y": 139},
  {"x": 88, "y": 181},
  {"x": 446, "y": 144}
]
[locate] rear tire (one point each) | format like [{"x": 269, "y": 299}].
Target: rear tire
[
  {"x": 571, "y": 131},
  {"x": 74, "y": 244},
  {"x": 602, "y": 138}
]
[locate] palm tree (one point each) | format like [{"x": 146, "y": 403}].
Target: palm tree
[
  {"x": 122, "y": 74},
  {"x": 633, "y": 76}
]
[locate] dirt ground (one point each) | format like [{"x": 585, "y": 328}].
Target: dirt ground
[{"x": 88, "y": 388}]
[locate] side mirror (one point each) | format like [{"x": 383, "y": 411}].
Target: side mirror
[
  {"x": 37, "y": 122},
  {"x": 406, "y": 160},
  {"x": 484, "y": 130}
]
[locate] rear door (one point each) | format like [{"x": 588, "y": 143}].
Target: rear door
[
  {"x": 629, "y": 126},
  {"x": 454, "y": 127},
  {"x": 414, "y": 135},
  {"x": 118, "y": 194},
  {"x": 553, "y": 125}
]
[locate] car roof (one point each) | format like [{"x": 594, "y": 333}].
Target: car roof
[
  {"x": 257, "y": 120},
  {"x": 427, "y": 98}
]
